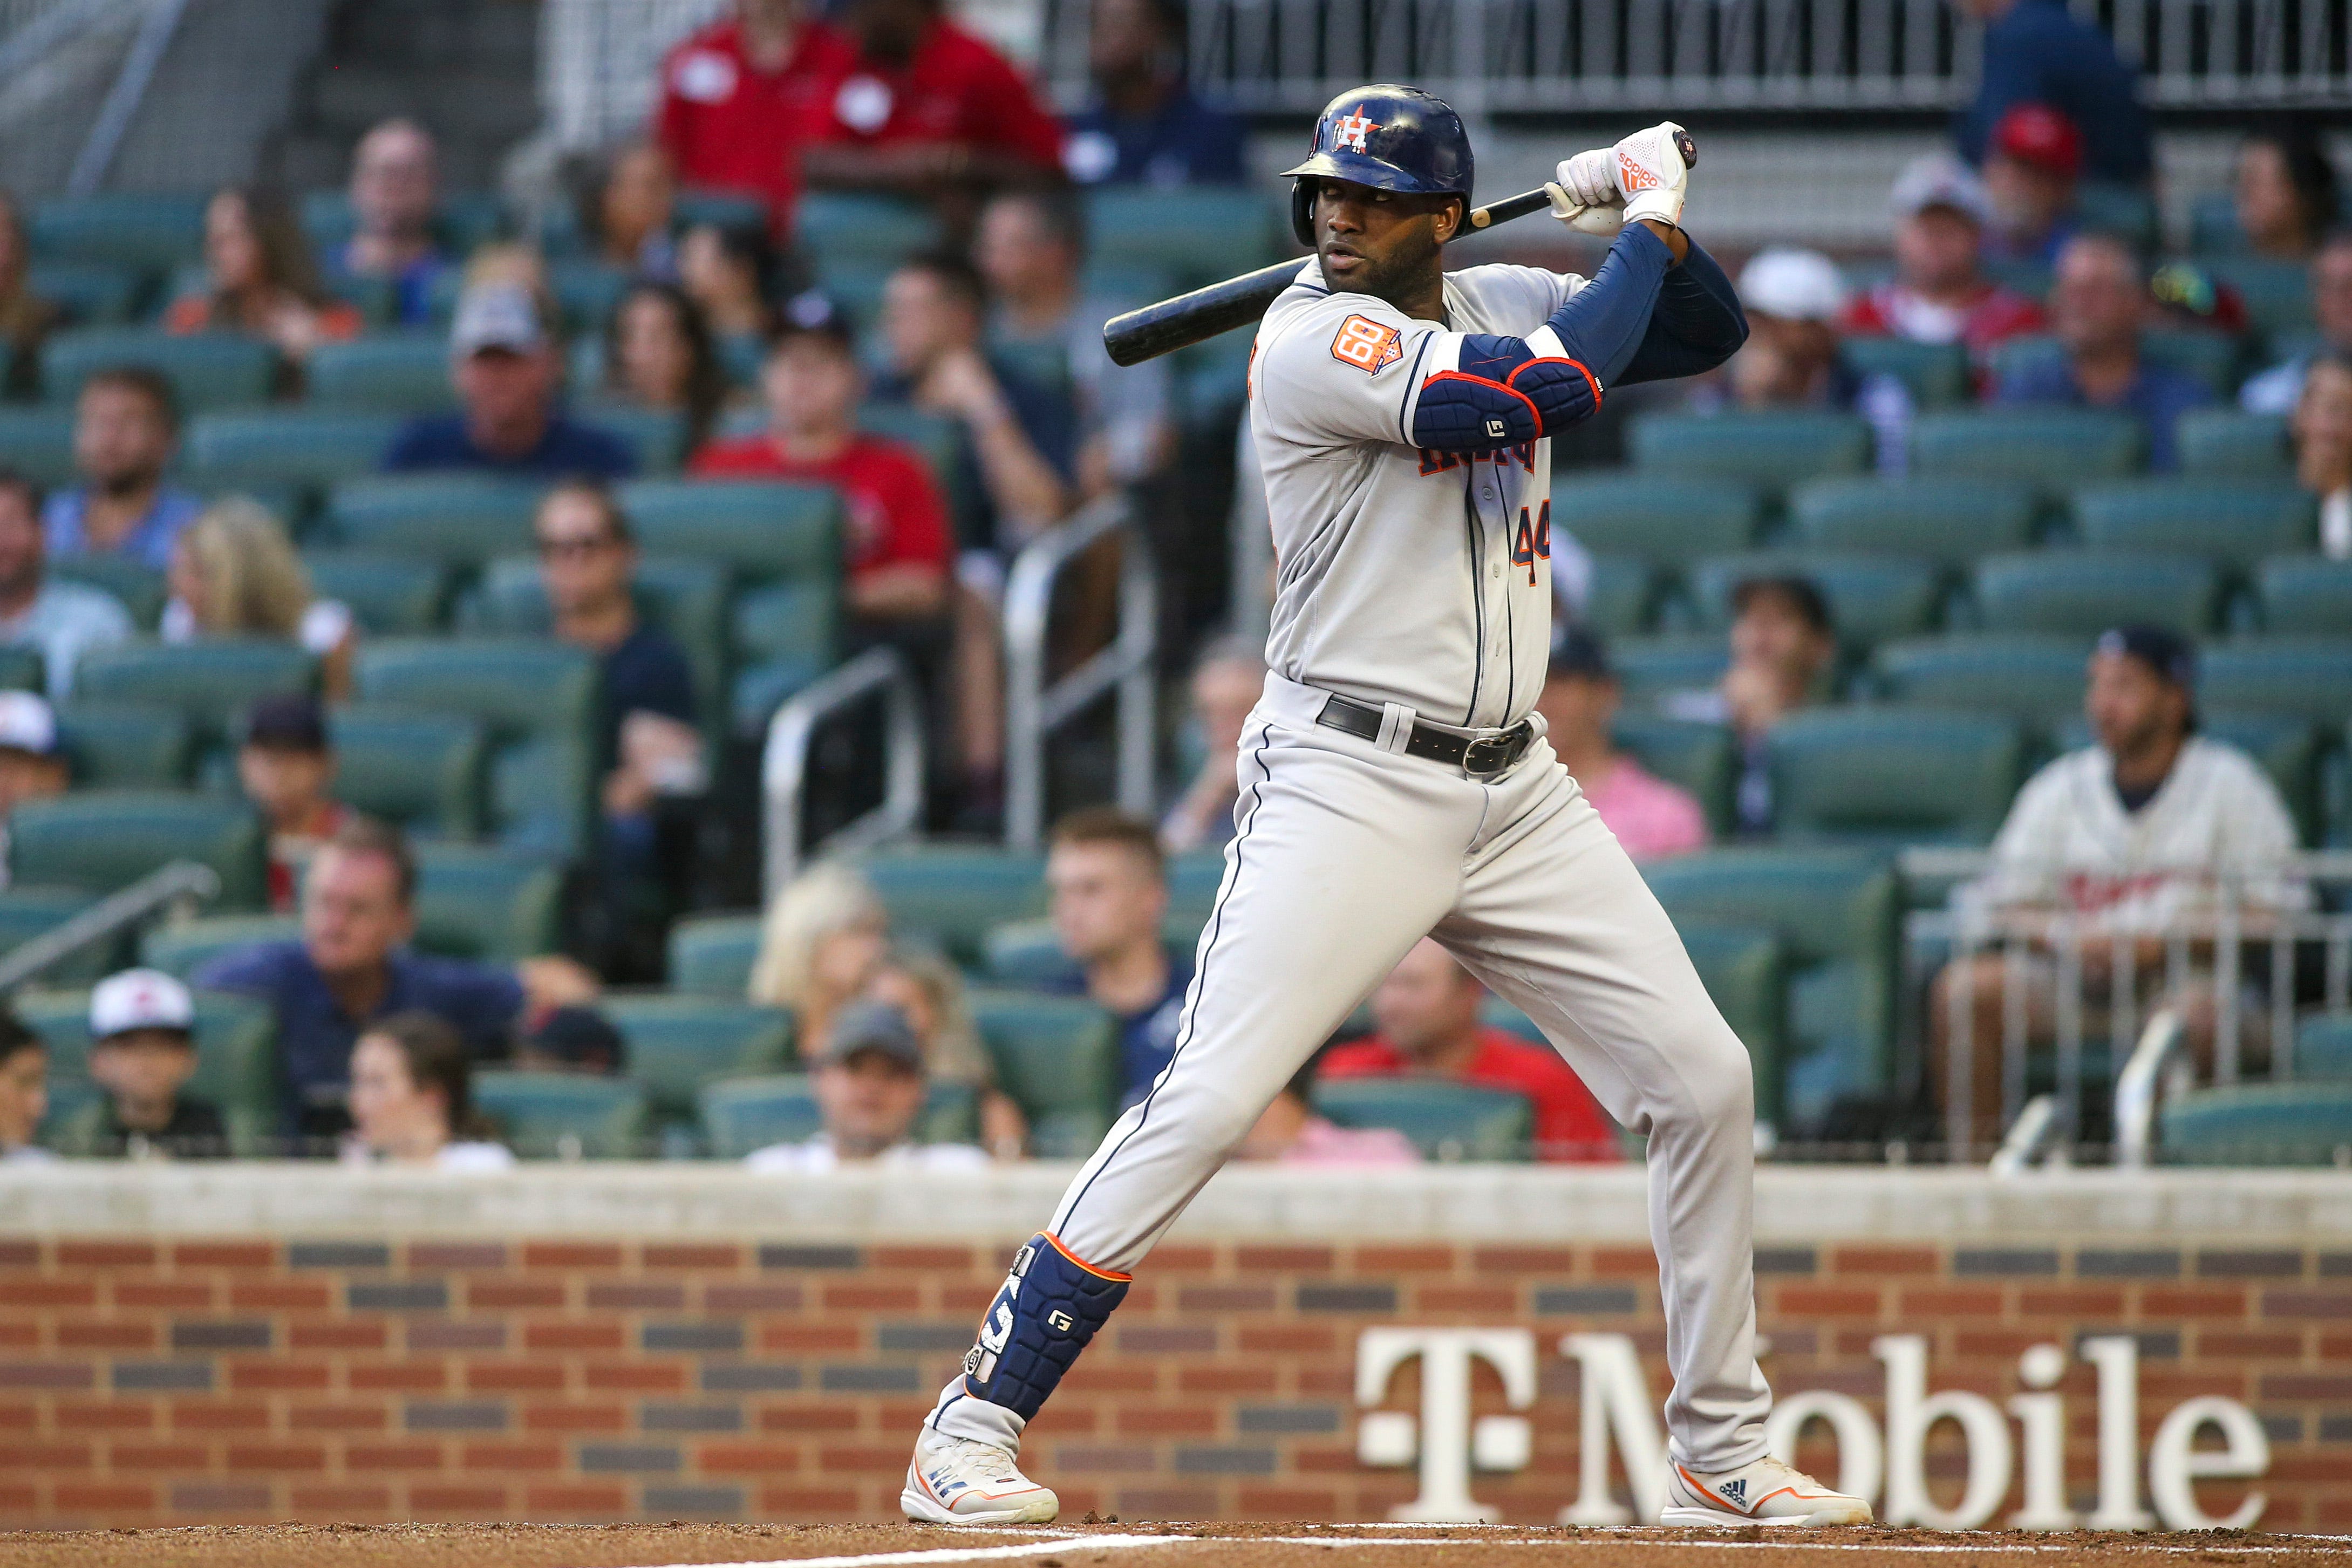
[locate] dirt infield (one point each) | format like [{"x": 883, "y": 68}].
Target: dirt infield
[{"x": 1145, "y": 1545}]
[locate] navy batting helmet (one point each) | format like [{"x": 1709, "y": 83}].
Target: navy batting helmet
[{"x": 1388, "y": 137}]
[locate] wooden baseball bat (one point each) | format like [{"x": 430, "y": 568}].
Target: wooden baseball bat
[{"x": 1196, "y": 317}]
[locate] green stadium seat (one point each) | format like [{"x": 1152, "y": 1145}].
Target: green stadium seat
[
  {"x": 207, "y": 369},
  {"x": 496, "y": 905},
  {"x": 1202, "y": 232},
  {"x": 90, "y": 293},
  {"x": 564, "y": 1116},
  {"x": 38, "y": 442},
  {"x": 1872, "y": 598},
  {"x": 1748, "y": 978},
  {"x": 869, "y": 233},
  {"x": 951, "y": 894},
  {"x": 2084, "y": 593},
  {"x": 1702, "y": 758},
  {"x": 1447, "y": 1122},
  {"x": 237, "y": 1056},
  {"x": 126, "y": 745},
  {"x": 2323, "y": 1047},
  {"x": 449, "y": 518},
  {"x": 2233, "y": 520},
  {"x": 1893, "y": 775},
  {"x": 657, "y": 436},
  {"x": 2277, "y": 293},
  {"x": 764, "y": 531},
  {"x": 727, "y": 209},
  {"x": 1662, "y": 519},
  {"x": 743, "y": 1114},
  {"x": 1650, "y": 668},
  {"x": 2036, "y": 680},
  {"x": 2226, "y": 443},
  {"x": 712, "y": 955},
  {"x": 2022, "y": 275},
  {"x": 1835, "y": 912},
  {"x": 423, "y": 771},
  {"x": 1623, "y": 597},
  {"x": 28, "y": 912},
  {"x": 2302, "y": 1123},
  {"x": 212, "y": 682},
  {"x": 2310, "y": 678},
  {"x": 2211, "y": 358},
  {"x": 1936, "y": 375},
  {"x": 942, "y": 441},
  {"x": 677, "y": 1045},
  {"x": 107, "y": 839},
  {"x": 22, "y": 668},
  {"x": 585, "y": 291},
  {"x": 141, "y": 587},
  {"x": 2050, "y": 446},
  {"x": 1773, "y": 450},
  {"x": 312, "y": 446},
  {"x": 1027, "y": 954},
  {"x": 2305, "y": 595},
  {"x": 389, "y": 595},
  {"x": 184, "y": 947},
  {"x": 785, "y": 636},
  {"x": 686, "y": 597},
  {"x": 391, "y": 372},
  {"x": 1949, "y": 520},
  {"x": 149, "y": 230},
  {"x": 1057, "y": 1058},
  {"x": 2109, "y": 207},
  {"x": 1193, "y": 879}
]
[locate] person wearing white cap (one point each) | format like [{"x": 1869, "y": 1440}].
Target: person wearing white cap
[
  {"x": 142, "y": 1051},
  {"x": 31, "y": 765},
  {"x": 508, "y": 367},
  {"x": 1793, "y": 300},
  {"x": 1939, "y": 293}
]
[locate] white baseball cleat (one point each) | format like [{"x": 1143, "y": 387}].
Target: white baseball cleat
[
  {"x": 954, "y": 1480},
  {"x": 1765, "y": 1492}
]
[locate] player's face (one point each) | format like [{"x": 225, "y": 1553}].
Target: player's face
[
  {"x": 1379, "y": 242},
  {"x": 1104, "y": 898},
  {"x": 2129, "y": 707}
]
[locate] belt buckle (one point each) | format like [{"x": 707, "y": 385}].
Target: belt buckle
[{"x": 1504, "y": 748}]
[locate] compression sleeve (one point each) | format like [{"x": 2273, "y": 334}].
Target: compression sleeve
[{"x": 1697, "y": 323}]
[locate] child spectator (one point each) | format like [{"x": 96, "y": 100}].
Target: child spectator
[
  {"x": 1227, "y": 682},
  {"x": 126, "y": 432},
  {"x": 64, "y": 620},
  {"x": 1144, "y": 125},
  {"x": 286, "y": 767},
  {"x": 1290, "y": 1132},
  {"x": 26, "y": 317},
  {"x": 573, "y": 1040},
  {"x": 142, "y": 1051},
  {"x": 32, "y": 767},
  {"x": 870, "y": 1085},
  {"x": 1939, "y": 293},
  {"x": 258, "y": 279},
  {"x": 506, "y": 370},
  {"x": 2286, "y": 191},
  {"x": 659, "y": 355},
  {"x": 24, "y": 1092},
  {"x": 395, "y": 181},
  {"x": 821, "y": 943},
  {"x": 234, "y": 573},
  {"x": 929, "y": 990},
  {"x": 2032, "y": 170},
  {"x": 1651, "y": 817},
  {"x": 412, "y": 1100},
  {"x": 737, "y": 97},
  {"x": 1107, "y": 881}
]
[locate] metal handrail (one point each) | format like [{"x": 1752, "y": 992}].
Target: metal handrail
[
  {"x": 2159, "y": 1070},
  {"x": 1032, "y": 710},
  {"x": 180, "y": 880},
  {"x": 2031, "y": 1137},
  {"x": 784, "y": 763}
]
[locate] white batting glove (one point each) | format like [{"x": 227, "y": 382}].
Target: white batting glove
[
  {"x": 1650, "y": 174},
  {"x": 1584, "y": 197}
]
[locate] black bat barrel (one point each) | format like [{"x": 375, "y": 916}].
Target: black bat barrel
[{"x": 1192, "y": 317}]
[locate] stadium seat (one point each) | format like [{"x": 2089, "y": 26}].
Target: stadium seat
[
  {"x": 1835, "y": 912},
  {"x": 1202, "y": 233},
  {"x": 1662, "y": 519},
  {"x": 107, "y": 839},
  {"x": 38, "y": 442},
  {"x": 207, "y": 369},
  {"x": 22, "y": 668},
  {"x": 2302, "y": 1123},
  {"x": 655, "y": 436},
  {"x": 1057, "y": 1058},
  {"x": 1446, "y": 1121},
  {"x": 785, "y": 636},
  {"x": 2305, "y": 595},
  {"x": 585, "y": 291},
  {"x": 28, "y": 912},
  {"x": 496, "y": 905},
  {"x": 423, "y": 771},
  {"x": 389, "y": 595},
  {"x": 2210, "y": 358},
  {"x": 2323, "y": 1047},
  {"x": 763, "y": 531},
  {"x": 126, "y": 745},
  {"x": 1871, "y": 597},
  {"x": 1193, "y": 879},
  {"x": 1893, "y": 775},
  {"x": 852, "y": 228},
  {"x": 944, "y": 444},
  {"x": 1949, "y": 520},
  {"x": 1027, "y": 954},
  {"x": 684, "y": 596},
  {"x": 151, "y": 231},
  {"x": 391, "y": 372},
  {"x": 2226, "y": 443},
  {"x": 711, "y": 955},
  {"x": 679, "y": 1044},
  {"x": 1773, "y": 450},
  {"x": 2233, "y": 520},
  {"x": 90, "y": 293},
  {"x": 1936, "y": 375},
  {"x": 182, "y": 947},
  {"x": 950, "y": 894},
  {"x": 461, "y": 220},
  {"x": 1748, "y": 978},
  {"x": 2052, "y": 446},
  {"x": 1650, "y": 668},
  {"x": 564, "y": 1116},
  {"x": 2308, "y": 677},
  {"x": 211, "y": 682},
  {"x": 2276, "y": 292},
  {"x": 2084, "y": 593},
  {"x": 743, "y": 1114},
  {"x": 1622, "y": 598},
  {"x": 310, "y": 446},
  {"x": 453, "y": 518},
  {"x": 140, "y": 586},
  {"x": 237, "y": 1058},
  {"x": 2037, "y": 679},
  {"x": 1702, "y": 758}
]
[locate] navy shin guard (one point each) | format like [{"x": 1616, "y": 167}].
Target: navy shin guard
[{"x": 1044, "y": 1315}]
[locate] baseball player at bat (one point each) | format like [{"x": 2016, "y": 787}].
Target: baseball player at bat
[{"x": 1395, "y": 781}]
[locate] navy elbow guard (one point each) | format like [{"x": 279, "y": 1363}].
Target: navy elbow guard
[
  {"x": 1508, "y": 390},
  {"x": 1044, "y": 1315}
]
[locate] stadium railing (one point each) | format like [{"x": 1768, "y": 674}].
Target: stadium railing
[{"x": 785, "y": 764}]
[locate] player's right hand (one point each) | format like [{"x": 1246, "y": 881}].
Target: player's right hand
[
  {"x": 1650, "y": 174},
  {"x": 1584, "y": 195}
]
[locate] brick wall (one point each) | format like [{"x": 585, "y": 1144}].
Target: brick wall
[{"x": 184, "y": 1381}]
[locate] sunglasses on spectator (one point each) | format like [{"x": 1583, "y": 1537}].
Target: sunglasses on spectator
[{"x": 575, "y": 546}]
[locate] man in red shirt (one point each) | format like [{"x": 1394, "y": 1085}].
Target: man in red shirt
[
  {"x": 737, "y": 96},
  {"x": 1939, "y": 293},
  {"x": 1427, "y": 1011}
]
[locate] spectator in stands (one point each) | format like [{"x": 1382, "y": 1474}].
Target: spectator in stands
[
  {"x": 1783, "y": 644},
  {"x": 395, "y": 183},
  {"x": 1939, "y": 293},
  {"x": 64, "y": 620},
  {"x": 632, "y": 210},
  {"x": 1290, "y": 1132},
  {"x": 1426, "y": 1012},
  {"x": 353, "y": 966},
  {"x": 2097, "y": 307},
  {"x": 737, "y": 98},
  {"x": 1032, "y": 249},
  {"x": 577, "y": 1040},
  {"x": 929, "y": 990},
  {"x": 2036, "y": 53},
  {"x": 286, "y": 765},
  {"x": 822, "y": 940},
  {"x": 2285, "y": 191},
  {"x": 1227, "y": 682},
  {"x": 2276, "y": 390},
  {"x": 2323, "y": 448},
  {"x": 659, "y": 355},
  {"x": 1144, "y": 125},
  {"x": 412, "y": 1098},
  {"x": 508, "y": 367},
  {"x": 1107, "y": 878},
  {"x": 1793, "y": 358},
  {"x": 870, "y": 1084},
  {"x": 732, "y": 274},
  {"x": 143, "y": 1052},
  {"x": 2136, "y": 837},
  {"x": 919, "y": 106},
  {"x": 1651, "y": 817},
  {"x": 2032, "y": 174},
  {"x": 258, "y": 279},
  {"x": 126, "y": 432},
  {"x": 234, "y": 573},
  {"x": 26, "y": 317},
  {"x": 32, "y": 766},
  {"x": 24, "y": 1092}
]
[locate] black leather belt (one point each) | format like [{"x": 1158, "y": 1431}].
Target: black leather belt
[{"x": 1481, "y": 756}]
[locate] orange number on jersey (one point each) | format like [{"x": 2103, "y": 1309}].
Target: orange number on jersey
[{"x": 1367, "y": 344}]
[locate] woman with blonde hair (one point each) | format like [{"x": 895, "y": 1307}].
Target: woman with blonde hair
[
  {"x": 821, "y": 941},
  {"x": 234, "y": 573},
  {"x": 929, "y": 990}
]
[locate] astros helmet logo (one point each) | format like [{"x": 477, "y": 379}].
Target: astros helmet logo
[{"x": 1349, "y": 134}]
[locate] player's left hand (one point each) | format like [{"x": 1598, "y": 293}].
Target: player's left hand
[{"x": 1584, "y": 195}]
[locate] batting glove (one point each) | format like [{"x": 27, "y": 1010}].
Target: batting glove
[
  {"x": 1585, "y": 195},
  {"x": 1650, "y": 174}
]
